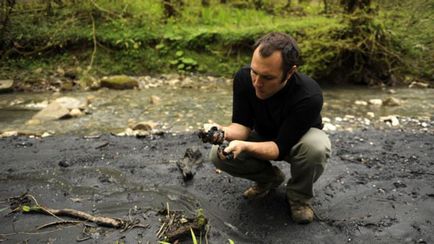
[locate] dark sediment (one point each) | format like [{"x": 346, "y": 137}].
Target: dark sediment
[{"x": 378, "y": 188}]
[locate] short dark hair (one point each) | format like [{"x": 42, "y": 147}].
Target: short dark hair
[{"x": 277, "y": 41}]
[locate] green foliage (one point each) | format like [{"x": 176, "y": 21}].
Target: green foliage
[
  {"x": 411, "y": 22},
  {"x": 133, "y": 38}
]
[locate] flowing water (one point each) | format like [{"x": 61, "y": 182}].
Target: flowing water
[{"x": 187, "y": 109}]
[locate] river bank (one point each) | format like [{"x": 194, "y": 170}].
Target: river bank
[
  {"x": 377, "y": 188},
  {"x": 179, "y": 103}
]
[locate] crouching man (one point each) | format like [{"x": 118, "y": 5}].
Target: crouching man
[{"x": 276, "y": 116}]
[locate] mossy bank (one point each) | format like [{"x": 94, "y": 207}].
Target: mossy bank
[{"x": 366, "y": 45}]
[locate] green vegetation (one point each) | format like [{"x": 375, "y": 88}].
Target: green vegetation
[{"x": 366, "y": 45}]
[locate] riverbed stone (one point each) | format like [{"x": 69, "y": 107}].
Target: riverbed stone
[
  {"x": 119, "y": 82},
  {"x": 417, "y": 84},
  {"x": 392, "y": 101},
  {"x": 361, "y": 103},
  {"x": 53, "y": 111},
  {"x": 37, "y": 106},
  {"x": 370, "y": 114},
  {"x": 143, "y": 125},
  {"x": 391, "y": 119},
  {"x": 6, "y": 85},
  {"x": 72, "y": 103},
  {"x": 376, "y": 102},
  {"x": 9, "y": 133},
  {"x": 329, "y": 127},
  {"x": 155, "y": 100},
  {"x": 75, "y": 112}
]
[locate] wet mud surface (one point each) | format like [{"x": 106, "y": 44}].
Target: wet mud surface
[{"x": 378, "y": 187}]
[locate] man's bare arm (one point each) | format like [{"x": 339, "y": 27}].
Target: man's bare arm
[
  {"x": 264, "y": 150},
  {"x": 236, "y": 131}
]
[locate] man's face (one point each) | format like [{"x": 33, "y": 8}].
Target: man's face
[{"x": 267, "y": 74}]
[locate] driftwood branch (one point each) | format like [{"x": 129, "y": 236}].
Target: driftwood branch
[
  {"x": 99, "y": 220},
  {"x": 26, "y": 203}
]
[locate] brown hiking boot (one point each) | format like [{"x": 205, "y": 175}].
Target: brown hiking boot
[
  {"x": 301, "y": 212},
  {"x": 260, "y": 190}
]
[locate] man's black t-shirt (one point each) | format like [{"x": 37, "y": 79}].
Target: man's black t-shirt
[{"x": 283, "y": 118}]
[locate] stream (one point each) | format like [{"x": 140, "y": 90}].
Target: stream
[{"x": 187, "y": 109}]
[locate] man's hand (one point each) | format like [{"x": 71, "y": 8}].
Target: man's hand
[
  {"x": 234, "y": 148},
  {"x": 222, "y": 154},
  {"x": 214, "y": 136},
  {"x": 267, "y": 150}
]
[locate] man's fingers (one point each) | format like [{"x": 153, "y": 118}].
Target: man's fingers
[{"x": 229, "y": 149}]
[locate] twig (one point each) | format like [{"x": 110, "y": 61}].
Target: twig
[
  {"x": 160, "y": 231},
  {"x": 168, "y": 211}
]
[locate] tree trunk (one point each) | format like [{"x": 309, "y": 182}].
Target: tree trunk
[
  {"x": 287, "y": 5},
  {"x": 49, "y": 7},
  {"x": 259, "y": 4},
  {"x": 205, "y": 3},
  {"x": 169, "y": 8},
  {"x": 351, "y": 5},
  {"x": 326, "y": 6}
]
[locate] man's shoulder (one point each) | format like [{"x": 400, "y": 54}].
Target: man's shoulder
[
  {"x": 307, "y": 83},
  {"x": 243, "y": 73}
]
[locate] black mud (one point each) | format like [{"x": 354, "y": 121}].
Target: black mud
[{"x": 378, "y": 188}]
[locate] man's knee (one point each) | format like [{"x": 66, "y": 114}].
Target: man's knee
[
  {"x": 316, "y": 152},
  {"x": 311, "y": 152}
]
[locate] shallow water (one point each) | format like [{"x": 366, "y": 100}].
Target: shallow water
[{"x": 187, "y": 109}]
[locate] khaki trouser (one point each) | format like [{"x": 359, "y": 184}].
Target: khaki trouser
[{"x": 307, "y": 158}]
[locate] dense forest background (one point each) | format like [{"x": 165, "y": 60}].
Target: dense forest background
[{"x": 359, "y": 41}]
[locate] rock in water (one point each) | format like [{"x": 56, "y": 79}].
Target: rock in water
[
  {"x": 119, "y": 82},
  {"x": 52, "y": 112},
  {"x": 72, "y": 103},
  {"x": 392, "y": 101},
  {"x": 6, "y": 85},
  {"x": 191, "y": 157}
]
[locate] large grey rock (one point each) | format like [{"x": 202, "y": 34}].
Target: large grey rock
[
  {"x": 72, "y": 103},
  {"x": 53, "y": 111},
  {"x": 6, "y": 85},
  {"x": 119, "y": 82}
]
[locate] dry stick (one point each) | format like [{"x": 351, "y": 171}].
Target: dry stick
[
  {"x": 94, "y": 43},
  {"x": 160, "y": 231},
  {"x": 99, "y": 220}
]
